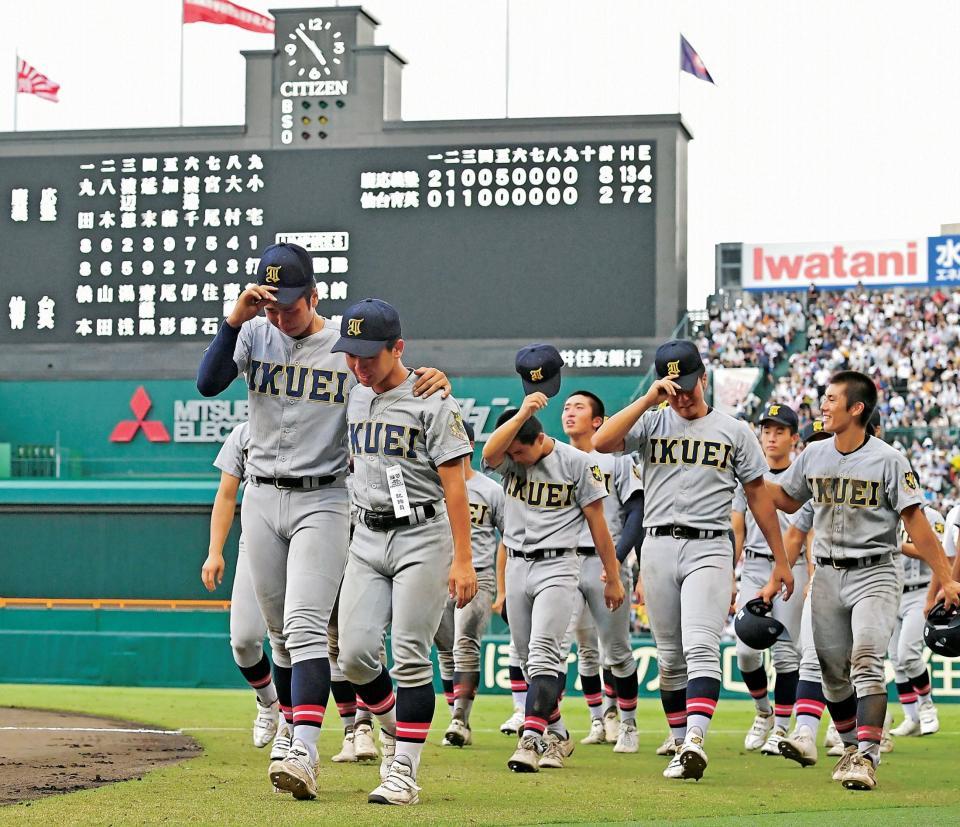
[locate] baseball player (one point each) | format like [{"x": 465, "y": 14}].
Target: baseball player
[
  {"x": 779, "y": 428},
  {"x": 693, "y": 457},
  {"x": 551, "y": 489},
  {"x": 801, "y": 744},
  {"x": 247, "y": 627},
  {"x": 295, "y": 510},
  {"x": 583, "y": 413},
  {"x": 411, "y": 547},
  {"x": 860, "y": 488},
  {"x": 906, "y": 645},
  {"x": 461, "y": 630}
]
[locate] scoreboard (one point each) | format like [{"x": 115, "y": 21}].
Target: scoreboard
[{"x": 565, "y": 230}]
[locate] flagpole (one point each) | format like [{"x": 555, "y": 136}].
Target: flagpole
[{"x": 181, "y": 62}]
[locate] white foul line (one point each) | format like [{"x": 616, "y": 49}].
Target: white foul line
[{"x": 90, "y": 729}]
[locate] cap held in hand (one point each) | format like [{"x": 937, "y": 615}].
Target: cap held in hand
[
  {"x": 539, "y": 367},
  {"x": 681, "y": 359}
]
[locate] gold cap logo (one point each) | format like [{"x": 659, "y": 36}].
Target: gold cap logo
[
  {"x": 353, "y": 327},
  {"x": 536, "y": 375},
  {"x": 673, "y": 368},
  {"x": 817, "y": 426},
  {"x": 273, "y": 274},
  {"x": 774, "y": 410}
]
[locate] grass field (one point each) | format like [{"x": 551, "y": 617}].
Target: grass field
[{"x": 228, "y": 783}]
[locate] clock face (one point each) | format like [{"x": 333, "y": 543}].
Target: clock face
[{"x": 315, "y": 50}]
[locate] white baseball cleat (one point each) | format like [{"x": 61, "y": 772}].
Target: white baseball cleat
[
  {"x": 692, "y": 757},
  {"x": 347, "y": 754},
  {"x": 860, "y": 774},
  {"x": 398, "y": 787},
  {"x": 929, "y": 719},
  {"x": 597, "y": 734},
  {"x": 514, "y": 723},
  {"x": 772, "y": 745},
  {"x": 846, "y": 757},
  {"x": 670, "y": 745},
  {"x": 759, "y": 732},
  {"x": 799, "y": 746},
  {"x": 832, "y": 738},
  {"x": 526, "y": 757},
  {"x": 556, "y": 750},
  {"x": 388, "y": 744},
  {"x": 281, "y": 742},
  {"x": 908, "y": 729},
  {"x": 836, "y": 749},
  {"x": 611, "y": 725},
  {"x": 297, "y": 773},
  {"x": 458, "y": 734},
  {"x": 265, "y": 724},
  {"x": 627, "y": 741},
  {"x": 364, "y": 747},
  {"x": 674, "y": 768}
]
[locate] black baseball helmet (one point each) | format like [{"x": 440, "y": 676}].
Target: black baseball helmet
[
  {"x": 503, "y": 612},
  {"x": 755, "y": 627},
  {"x": 941, "y": 632}
]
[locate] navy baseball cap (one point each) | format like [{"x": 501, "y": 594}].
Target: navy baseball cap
[
  {"x": 781, "y": 415},
  {"x": 813, "y": 432},
  {"x": 470, "y": 433},
  {"x": 366, "y": 327},
  {"x": 680, "y": 358},
  {"x": 289, "y": 268},
  {"x": 539, "y": 367}
]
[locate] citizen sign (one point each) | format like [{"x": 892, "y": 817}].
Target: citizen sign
[
  {"x": 844, "y": 264},
  {"x": 207, "y": 420}
]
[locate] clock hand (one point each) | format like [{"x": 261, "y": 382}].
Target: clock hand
[{"x": 312, "y": 47}]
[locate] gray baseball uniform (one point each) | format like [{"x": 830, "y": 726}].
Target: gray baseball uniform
[
  {"x": 621, "y": 479},
  {"x": 802, "y": 520},
  {"x": 857, "y": 499},
  {"x": 247, "y": 626},
  {"x": 398, "y": 576},
  {"x": 754, "y": 575},
  {"x": 543, "y": 520},
  {"x": 296, "y": 537},
  {"x": 951, "y": 529},
  {"x": 906, "y": 643},
  {"x": 461, "y": 630},
  {"x": 690, "y": 472}
]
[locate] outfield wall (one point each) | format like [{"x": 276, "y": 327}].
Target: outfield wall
[{"x": 114, "y": 647}]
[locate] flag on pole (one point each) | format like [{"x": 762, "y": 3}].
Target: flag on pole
[
  {"x": 223, "y": 11},
  {"x": 32, "y": 82},
  {"x": 691, "y": 62}
]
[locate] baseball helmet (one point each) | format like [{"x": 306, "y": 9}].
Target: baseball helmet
[
  {"x": 941, "y": 632},
  {"x": 755, "y": 627},
  {"x": 503, "y": 612}
]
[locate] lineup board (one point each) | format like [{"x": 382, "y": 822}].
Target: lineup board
[{"x": 469, "y": 242}]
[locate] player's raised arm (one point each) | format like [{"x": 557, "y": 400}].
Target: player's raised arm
[
  {"x": 495, "y": 448},
  {"x": 611, "y": 434}
]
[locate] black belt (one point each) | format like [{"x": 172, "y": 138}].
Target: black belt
[
  {"x": 853, "y": 562},
  {"x": 683, "y": 532},
  {"x": 538, "y": 553},
  {"x": 296, "y": 482},
  {"x": 385, "y": 521},
  {"x": 586, "y": 551},
  {"x": 915, "y": 587},
  {"x": 754, "y": 555}
]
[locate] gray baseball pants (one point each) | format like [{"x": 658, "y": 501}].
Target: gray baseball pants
[
  {"x": 687, "y": 586},
  {"x": 786, "y": 654},
  {"x": 906, "y": 643},
  {"x": 854, "y": 612},
  {"x": 461, "y": 630},
  {"x": 247, "y": 626},
  {"x": 395, "y": 578},
  {"x": 809, "y": 662},
  {"x": 297, "y": 546},
  {"x": 540, "y": 600}
]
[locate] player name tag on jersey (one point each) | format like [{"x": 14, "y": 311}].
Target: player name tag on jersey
[{"x": 398, "y": 491}]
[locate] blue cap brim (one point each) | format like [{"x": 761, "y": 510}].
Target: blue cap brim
[
  {"x": 548, "y": 387},
  {"x": 364, "y": 348},
  {"x": 288, "y": 295}
]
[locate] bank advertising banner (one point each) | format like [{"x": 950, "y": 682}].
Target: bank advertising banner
[{"x": 922, "y": 262}]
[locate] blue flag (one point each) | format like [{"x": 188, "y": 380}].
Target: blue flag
[{"x": 691, "y": 62}]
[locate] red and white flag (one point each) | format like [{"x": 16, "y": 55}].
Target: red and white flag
[
  {"x": 223, "y": 11},
  {"x": 32, "y": 82}
]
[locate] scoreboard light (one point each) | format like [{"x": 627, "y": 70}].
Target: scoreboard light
[
  {"x": 305, "y": 121},
  {"x": 322, "y": 104},
  {"x": 322, "y": 120},
  {"x": 305, "y": 104},
  {"x": 341, "y": 104},
  {"x": 322, "y": 134},
  {"x": 305, "y": 135}
]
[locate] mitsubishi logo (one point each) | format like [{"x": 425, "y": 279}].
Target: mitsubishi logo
[{"x": 153, "y": 429}]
